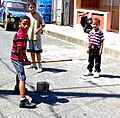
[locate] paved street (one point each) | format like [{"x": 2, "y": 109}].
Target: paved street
[{"x": 71, "y": 94}]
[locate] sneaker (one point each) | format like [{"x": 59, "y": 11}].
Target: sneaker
[
  {"x": 39, "y": 69},
  {"x": 96, "y": 75},
  {"x": 33, "y": 66},
  {"x": 40, "y": 65},
  {"x": 26, "y": 104},
  {"x": 16, "y": 90},
  {"x": 88, "y": 73}
]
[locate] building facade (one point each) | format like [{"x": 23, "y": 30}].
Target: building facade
[{"x": 106, "y": 10}]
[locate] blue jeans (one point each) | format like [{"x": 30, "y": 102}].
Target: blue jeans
[{"x": 19, "y": 69}]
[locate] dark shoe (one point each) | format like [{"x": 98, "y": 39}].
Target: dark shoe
[
  {"x": 26, "y": 104},
  {"x": 16, "y": 90}
]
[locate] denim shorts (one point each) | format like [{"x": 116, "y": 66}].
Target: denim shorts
[
  {"x": 34, "y": 46},
  {"x": 19, "y": 69}
]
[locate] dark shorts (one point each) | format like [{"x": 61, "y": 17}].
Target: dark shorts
[
  {"x": 19, "y": 69},
  {"x": 34, "y": 46}
]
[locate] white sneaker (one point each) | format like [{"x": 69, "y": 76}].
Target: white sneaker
[
  {"x": 88, "y": 73},
  {"x": 96, "y": 74},
  {"x": 40, "y": 65},
  {"x": 39, "y": 69},
  {"x": 32, "y": 66}
]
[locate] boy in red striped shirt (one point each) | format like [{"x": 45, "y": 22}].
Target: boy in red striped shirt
[{"x": 19, "y": 59}]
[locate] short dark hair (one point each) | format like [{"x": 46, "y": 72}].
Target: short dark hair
[
  {"x": 32, "y": 3},
  {"x": 24, "y": 17},
  {"x": 97, "y": 20}
]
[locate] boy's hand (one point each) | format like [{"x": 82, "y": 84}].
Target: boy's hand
[
  {"x": 87, "y": 50},
  {"x": 100, "y": 52},
  {"x": 37, "y": 31},
  {"x": 26, "y": 63}
]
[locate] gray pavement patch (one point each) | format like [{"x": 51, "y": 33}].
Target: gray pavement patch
[{"x": 106, "y": 50}]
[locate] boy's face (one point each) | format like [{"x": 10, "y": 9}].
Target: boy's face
[
  {"x": 32, "y": 8},
  {"x": 24, "y": 24},
  {"x": 95, "y": 25}
]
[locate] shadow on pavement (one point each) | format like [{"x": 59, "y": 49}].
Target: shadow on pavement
[
  {"x": 37, "y": 97},
  {"x": 110, "y": 76},
  {"x": 93, "y": 86},
  {"x": 51, "y": 97},
  {"x": 54, "y": 70}
]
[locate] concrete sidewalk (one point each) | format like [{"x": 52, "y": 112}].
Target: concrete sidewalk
[{"x": 77, "y": 36}]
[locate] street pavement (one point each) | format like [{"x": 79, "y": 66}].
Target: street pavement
[
  {"x": 76, "y": 35},
  {"x": 71, "y": 94}
]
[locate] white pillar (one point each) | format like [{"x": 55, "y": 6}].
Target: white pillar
[
  {"x": 75, "y": 15},
  {"x": 119, "y": 17}
]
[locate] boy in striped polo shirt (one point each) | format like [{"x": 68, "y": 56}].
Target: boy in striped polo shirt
[
  {"x": 19, "y": 59},
  {"x": 95, "y": 47}
]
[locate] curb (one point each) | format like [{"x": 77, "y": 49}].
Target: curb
[{"x": 107, "y": 51}]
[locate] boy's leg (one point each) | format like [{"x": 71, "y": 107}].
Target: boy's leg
[
  {"x": 91, "y": 61},
  {"x": 24, "y": 102},
  {"x": 39, "y": 69},
  {"x": 30, "y": 48},
  {"x": 22, "y": 88},
  {"x": 33, "y": 65},
  {"x": 97, "y": 63},
  {"x": 17, "y": 80},
  {"x": 90, "y": 65},
  {"x": 38, "y": 55},
  {"x": 33, "y": 57},
  {"x": 97, "y": 66},
  {"x": 38, "y": 51},
  {"x": 21, "y": 75},
  {"x": 16, "y": 89}
]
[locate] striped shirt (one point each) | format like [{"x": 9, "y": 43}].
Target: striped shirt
[
  {"x": 20, "y": 39},
  {"x": 95, "y": 37}
]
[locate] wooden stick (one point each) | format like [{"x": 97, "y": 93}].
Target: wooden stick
[{"x": 49, "y": 61}]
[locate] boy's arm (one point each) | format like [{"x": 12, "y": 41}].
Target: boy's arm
[
  {"x": 41, "y": 26},
  {"x": 39, "y": 29},
  {"x": 21, "y": 57},
  {"x": 101, "y": 48},
  {"x": 88, "y": 47},
  {"x": 102, "y": 43},
  {"x": 88, "y": 43}
]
